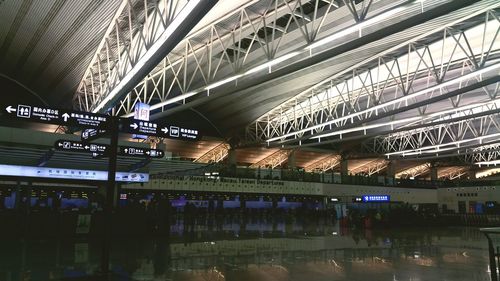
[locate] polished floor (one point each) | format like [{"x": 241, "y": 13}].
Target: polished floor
[{"x": 260, "y": 251}]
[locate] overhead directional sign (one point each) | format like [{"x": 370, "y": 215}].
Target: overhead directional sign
[
  {"x": 76, "y": 146},
  {"x": 140, "y": 152},
  {"x": 92, "y": 134},
  {"x": 57, "y": 116},
  {"x": 149, "y": 128}
]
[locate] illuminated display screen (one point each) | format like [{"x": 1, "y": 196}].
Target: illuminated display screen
[{"x": 72, "y": 174}]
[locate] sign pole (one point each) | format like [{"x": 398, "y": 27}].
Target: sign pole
[{"x": 110, "y": 194}]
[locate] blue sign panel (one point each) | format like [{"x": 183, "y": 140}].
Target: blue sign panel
[{"x": 376, "y": 198}]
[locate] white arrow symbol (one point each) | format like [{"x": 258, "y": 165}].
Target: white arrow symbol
[
  {"x": 126, "y": 150},
  {"x": 133, "y": 125},
  {"x": 165, "y": 130},
  {"x": 147, "y": 152},
  {"x": 86, "y": 147},
  {"x": 10, "y": 109},
  {"x": 65, "y": 117},
  {"x": 60, "y": 144}
]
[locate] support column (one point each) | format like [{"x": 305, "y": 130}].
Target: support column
[
  {"x": 472, "y": 172},
  {"x": 391, "y": 173},
  {"x": 17, "y": 196},
  {"x": 110, "y": 195},
  {"x": 434, "y": 173},
  {"x": 391, "y": 169},
  {"x": 231, "y": 161},
  {"x": 163, "y": 146},
  {"x": 291, "y": 162},
  {"x": 29, "y": 188},
  {"x": 231, "y": 156},
  {"x": 344, "y": 169}
]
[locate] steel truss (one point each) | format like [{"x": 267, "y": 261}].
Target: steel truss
[
  {"x": 452, "y": 173},
  {"x": 324, "y": 164},
  {"x": 136, "y": 27},
  {"x": 371, "y": 167},
  {"x": 444, "y": 138},
  {"x": 442, "y": 65},
  {"x": 484, "y": 154},
  {"x": 272, "y": 161},
  {"x": 255, "y": 38},
  {"x": 414, "y": 172},
  {"x": 214, "y": 155}
]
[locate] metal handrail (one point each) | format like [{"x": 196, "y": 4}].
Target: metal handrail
[{"x": 494, "y": 256}]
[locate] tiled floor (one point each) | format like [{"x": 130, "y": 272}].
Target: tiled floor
[{"x": 261, "y": 252}]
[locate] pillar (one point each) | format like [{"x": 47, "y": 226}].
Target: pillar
[
  {"x": 344, "y": 167},
  {"x": 434, "y": 173},
  {"x": 28, "y": 197},
  {"x": 231, "y": 157},
  {"x": 17, "y": 196},
  {"x": 391, "y": 169},
  {"x": 472, "y": 172},
  {"x": 344, "y": 170},
  {"x": 291, "y": 162},
  {"x": 163, "y": 146}
]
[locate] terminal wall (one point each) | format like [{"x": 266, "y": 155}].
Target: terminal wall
[
  {"x": 469, "y": 196},
  {"x": 344, "y": 192}
]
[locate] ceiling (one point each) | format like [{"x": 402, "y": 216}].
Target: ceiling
[
  {"x": 270, "y": 75},
  {"x": 47, "y": 45}
]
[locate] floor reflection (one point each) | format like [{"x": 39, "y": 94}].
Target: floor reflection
[{"x": 261, "y": 251}]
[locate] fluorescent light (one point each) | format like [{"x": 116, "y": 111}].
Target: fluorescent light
[
  {"x": 367, "y": 127},
  {"x": 493, "y": 162},
  {"x": 192, "y": 4},
  {"x": 167, "y": 33},
  {"x": 487, "y": 172},
  {"x": 457, "y": 110},
  {"x": 391, "y": 102},
  {"x": 222, "y": 82},
  {"x": 440, "y": 146},
  {"x": 355, "y": 28},
  {"x": 380, "y": 17},
  {"x": 272, "y": 62}
]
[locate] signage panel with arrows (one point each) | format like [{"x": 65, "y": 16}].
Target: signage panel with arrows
[
  {"x": 57, "y": 116},
  {"x": 140, "y": 152},
  {"x": 76, "y": 146},
  {"x": 92, "y": 134},
  {"x": 149, "y": 128},
  {"x": 98, "y": 150}
]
